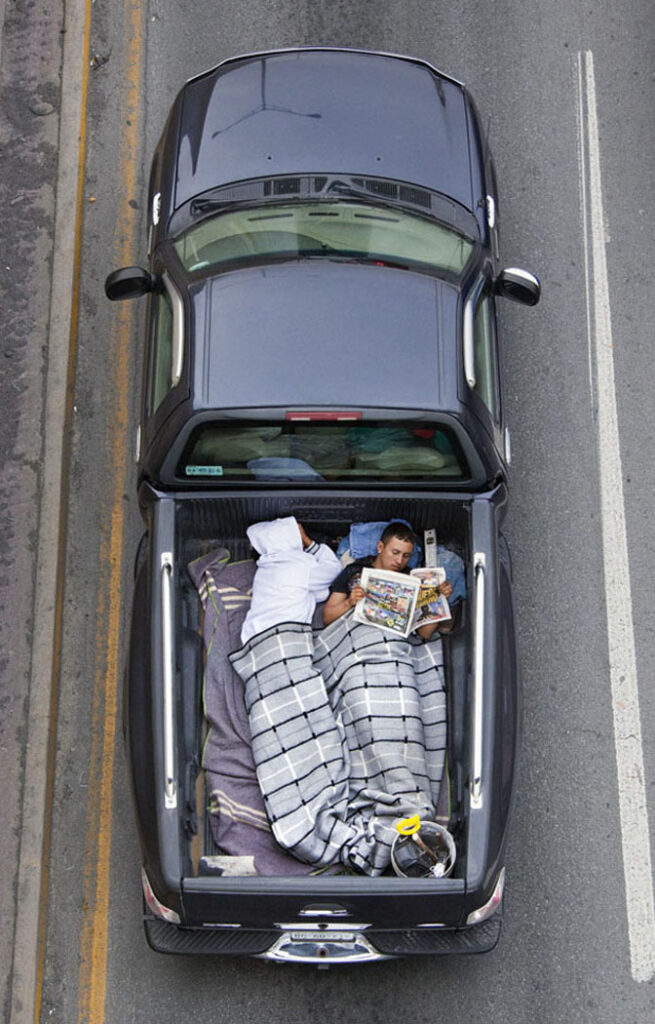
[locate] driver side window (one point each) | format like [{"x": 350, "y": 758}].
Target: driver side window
[
  {"x": 162, "y": 360},
  {"x": 485, "y": 354}
]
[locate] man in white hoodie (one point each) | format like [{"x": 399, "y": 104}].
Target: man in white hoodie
[{"x": 293, "y": 575}]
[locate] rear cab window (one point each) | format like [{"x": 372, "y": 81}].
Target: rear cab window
[{"x": 322, "y": 451}]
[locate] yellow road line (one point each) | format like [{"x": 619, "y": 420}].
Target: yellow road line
[
  {"x": 61, "y": 553},
  {"x": 93, "y": 938}
]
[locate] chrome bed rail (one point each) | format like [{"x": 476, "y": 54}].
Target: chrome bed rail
[
  {"x": 167, "y": 618},
  {"x": 479, "y": 571}
]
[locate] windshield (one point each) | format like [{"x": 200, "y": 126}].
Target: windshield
[
  {"x": 332, "y": 229},
  {"x": 304, "y": 451}
]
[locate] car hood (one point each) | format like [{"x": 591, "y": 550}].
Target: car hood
[
  {"x": 327, "y": 111},
  {"x": 306, "y": 335}
]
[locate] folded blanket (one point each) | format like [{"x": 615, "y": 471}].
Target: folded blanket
[
  {"x": 348, "y": 734},
  {"x": 238, "y": 817}
]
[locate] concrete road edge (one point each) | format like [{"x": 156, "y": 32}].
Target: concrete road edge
[{"x": 41, "y": 723}]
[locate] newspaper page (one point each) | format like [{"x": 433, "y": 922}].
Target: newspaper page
[
  {"x": 431, "y": 606},
  {"x": 389, "y": 602}
]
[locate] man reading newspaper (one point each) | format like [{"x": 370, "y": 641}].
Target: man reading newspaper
[{"x": 394, "y": 551}]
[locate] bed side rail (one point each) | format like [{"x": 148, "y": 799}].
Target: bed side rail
[
  {"x": 167, "y": 619},
  {"x": 479, "y": 578}
]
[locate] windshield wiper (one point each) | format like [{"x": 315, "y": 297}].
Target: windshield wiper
[
  {"x": 337, "y": 256},
  {"x": 344, "y": 188},
  {"x": 205, "y": 205},
  {"x": 335, "y": 185}
]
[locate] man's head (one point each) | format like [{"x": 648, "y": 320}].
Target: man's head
[{"x": 395, "y": 547}]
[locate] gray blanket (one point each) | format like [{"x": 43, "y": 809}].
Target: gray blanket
[
  {"x": 238, "y": 816},
  {"x": 348, "y": 731}
]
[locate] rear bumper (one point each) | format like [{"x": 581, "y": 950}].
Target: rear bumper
[{"x": 298, "y": 944}]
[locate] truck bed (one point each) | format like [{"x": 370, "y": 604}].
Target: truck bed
[{"x": 204, "y": 525}]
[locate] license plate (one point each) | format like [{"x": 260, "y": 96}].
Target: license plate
[{"x": 321, "y": 937}]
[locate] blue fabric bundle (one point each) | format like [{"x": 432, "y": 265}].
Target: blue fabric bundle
[{"x": 363, "y": 538}]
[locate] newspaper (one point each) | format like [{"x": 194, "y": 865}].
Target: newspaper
[
  {"x": 389, "y": 601},
  {"x": 402, "y": 602},
  {"x": 431, "y": 606}
]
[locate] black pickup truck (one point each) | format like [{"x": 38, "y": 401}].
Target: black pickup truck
[{"x": 321, "y": 342}]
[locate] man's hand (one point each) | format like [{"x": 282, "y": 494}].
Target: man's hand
[
  {"x": 338, "y": 604},
  {"x": 446, "y": 589},
  {"x": 304, "y": 536}
]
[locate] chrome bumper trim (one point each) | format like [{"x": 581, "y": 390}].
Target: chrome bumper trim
[{"x": 313, "y": 944}]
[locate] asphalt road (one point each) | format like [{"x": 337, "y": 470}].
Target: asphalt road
[{"x": 566, "y": 951}]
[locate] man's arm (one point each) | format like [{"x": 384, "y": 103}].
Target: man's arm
[{"x": 338, "y": 604}]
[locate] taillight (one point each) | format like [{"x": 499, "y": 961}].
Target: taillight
[
  {"x": 157, "y": 908},
  {"x": 491, "y": 906},
  {"x": 320, "y": 415}
]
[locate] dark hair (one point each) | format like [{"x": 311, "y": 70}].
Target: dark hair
[{"x": 398, "y": 530}]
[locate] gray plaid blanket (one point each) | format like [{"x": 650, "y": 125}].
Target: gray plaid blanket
[{"x": 348, "y": 731}]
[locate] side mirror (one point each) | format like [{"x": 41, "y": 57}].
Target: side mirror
[
  {"x": 129, "y": 283},
  {"x": 518, "y": 285}
]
